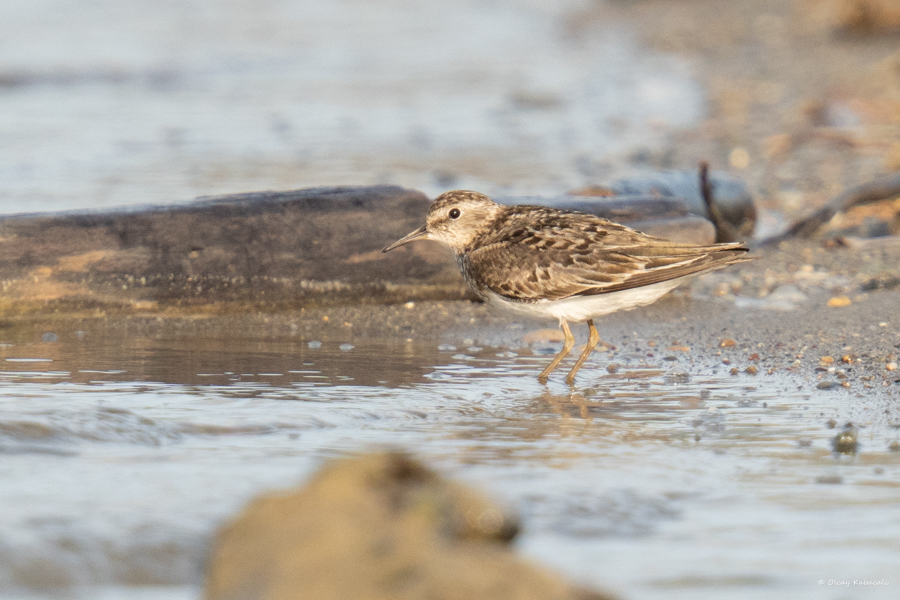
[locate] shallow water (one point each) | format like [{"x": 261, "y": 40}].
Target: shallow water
[
  {"x": 121, "y": 453},
  {"x": 119, "y": 102}
]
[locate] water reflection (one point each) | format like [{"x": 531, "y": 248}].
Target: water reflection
[{"x": 634, "y": 479}]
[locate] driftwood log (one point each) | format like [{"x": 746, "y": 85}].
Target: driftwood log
[
  {"x": 258, "y": 251},
  {"x": 869, "y": 192}
]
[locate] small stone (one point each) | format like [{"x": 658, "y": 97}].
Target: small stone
[
  {"x": 739, "y": 158},
  {"x": 845, "y": 384},
  {"x": 49, "y": 337},
  {"x": 847, "y": 358},
  {"x": 894, "y": 446},
  {"x": 725, "y": 361},
  {"x": 734, "y": 371},
  {"x": 346, "y": 347},
  {"x": 826, "y": 360},
  {"x": 754, "y": 356},
  {"x": 839, "y": 302},
  {"x": 612, "y": 369},
  {"x": 751, "y": 370},
  {"x": 891, "y": 366},
  {"x": 804, "y": 442},
  {"x": 830, "y": 479},
  {"x": 314, "y": 345},
  {"x": 680, "y": 348},
  {"x": 831, "y": 424},
  {"x": 846, "y": 441},
  {"x": 727, "y": 343},
  {"x": 825, "y": 385},
  {"x": 409, "y": 305}
]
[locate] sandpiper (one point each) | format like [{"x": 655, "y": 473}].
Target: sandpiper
[{"x": 563, "y": 264}]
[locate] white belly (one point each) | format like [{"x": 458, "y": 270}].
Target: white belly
[{"x": 582, "y": 308}]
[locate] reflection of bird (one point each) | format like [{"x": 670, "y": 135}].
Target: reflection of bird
[{"x": 555, "y": 263}]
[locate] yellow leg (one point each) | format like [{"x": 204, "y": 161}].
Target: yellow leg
[
  {"x": 593, "y": 338},
  {"x": 567, "y": 345}
]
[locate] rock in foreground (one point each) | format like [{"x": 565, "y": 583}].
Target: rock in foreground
[{"x": 377, "y": 527}]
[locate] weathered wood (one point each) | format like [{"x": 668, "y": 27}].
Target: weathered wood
[
  {"x": 265, "y": 250},
  {"x": 858, "y": 195}
]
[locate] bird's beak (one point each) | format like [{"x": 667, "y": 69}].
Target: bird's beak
[{"x": 419, "y": 234}]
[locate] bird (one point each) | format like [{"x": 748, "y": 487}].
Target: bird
[{"x": 562, "y": 264}]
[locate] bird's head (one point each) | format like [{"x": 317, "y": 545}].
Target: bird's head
[{"x": 455, "y": 219}]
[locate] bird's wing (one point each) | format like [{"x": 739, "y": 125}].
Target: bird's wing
[{"x": 548, "y": 254}]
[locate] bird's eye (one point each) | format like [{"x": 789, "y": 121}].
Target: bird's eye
[{"x": 454, "y": 213}]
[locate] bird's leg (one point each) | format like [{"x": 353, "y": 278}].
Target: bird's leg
[
  {"x": 593, "y": 338},
  {"x": 567, "y": 345}
]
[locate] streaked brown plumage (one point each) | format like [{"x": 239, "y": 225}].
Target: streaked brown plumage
[{"x": 568, "y": 265}]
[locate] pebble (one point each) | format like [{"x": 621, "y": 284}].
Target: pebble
[
  {"x": 830, "y": 479},
  {"x": 315, "y": 345},
  {"x": 827, "y": 360},
  {"x": 825, "y": 385},
  {"x": 891, "y": 366},
  {"x": 839, "y": 302},
  {"x": 446, "y": 348},
  {"x": 751, "y": 370},
  {"x": 847, "y": 358},
  {"x": 894, "y": 446},
  {"x": 727, "y": 343},
  {"x": 49, "y": 337},
  {"x": 346, "y": 347},
  {"x": 846, "y": 442},
  {"x": 612, "y": 369},
  {"x": 734, "y": 371},
  {"x": 739, "y": 158}
]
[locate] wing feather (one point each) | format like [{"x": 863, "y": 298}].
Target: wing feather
[{"x": 542, "y": 253}]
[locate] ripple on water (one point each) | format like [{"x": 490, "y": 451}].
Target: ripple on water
[{"x": 641, "y": 470}]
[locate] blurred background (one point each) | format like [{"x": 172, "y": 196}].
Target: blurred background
[{"x": 106, "y": 103}]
